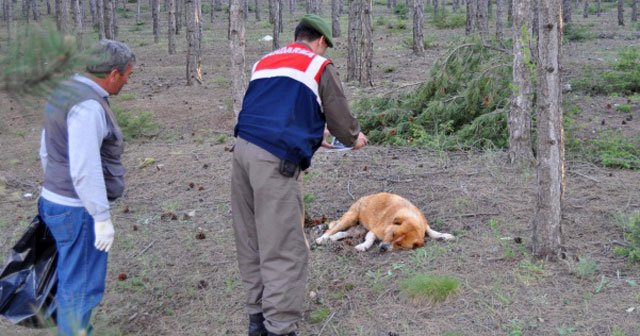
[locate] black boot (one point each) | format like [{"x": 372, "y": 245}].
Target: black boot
[
  {"x": 256, "y": 325},
  {"x": 293, "y": 333}
]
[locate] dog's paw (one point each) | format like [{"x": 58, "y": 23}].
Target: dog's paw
[
  {"x": 322, "y": 239},
  {"x": 447, "y": 236},
  {"x": 362, "y": 247}
]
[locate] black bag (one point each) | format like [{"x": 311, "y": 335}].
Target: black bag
[{"x": 28, "y": 279}]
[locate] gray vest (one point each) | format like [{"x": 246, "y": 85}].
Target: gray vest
[{"x": 57, "y": 177}]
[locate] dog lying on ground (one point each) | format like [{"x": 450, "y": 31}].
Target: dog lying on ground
[{"x": 394, "y": 220}]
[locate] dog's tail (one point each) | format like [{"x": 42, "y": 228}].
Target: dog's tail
[{"x": 433, "y": 234}]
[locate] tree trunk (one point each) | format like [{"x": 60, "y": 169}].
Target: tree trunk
[
  {"x": 366, "y": 78},
  {"x": 418, "y": 22},
  {"x": 179, "y": 12},
  {"x": 292, "y": 7},
  {"x": 171, "y": 23},
  {"x": 256, "y": 9},
  {"x": 520, "y": 146},
  {"x": 335, "y": 18},
  {"x": 598, "y": 7},
  {"x": 155, "y": 16},
  {"x": 353, "y": 35},
  {"x": 217, "y": 5},
  {"x": 277, "y": 23},
  {"x": 585, "y": 9},
  {"x": 194, "y": 61},
  {"x": 272, "y": 11},
  {"x": 510, "y": 13},
  {"x": 92, "y": 12},
  {"x": 77, "y": 15},
  {"x": 472, "y": 8},
  {"x": 237, "y": 46},
  {"x": 138, "y": 12},
  {"x": 109, "y": 32},
  {"x": 33, "y": 5},
  {"x": 8, "y": 16},
  {"x": 547, "y": 229},
  {"x": 499, "y": 17},
  {"x": 62, "y": 15},
  {"x": 100, "y": 18},
  {"x": 634, "y": 11},
  {"x": 620, "y": 12},
  {"x": 435, "y": 8},
  {"x": 482, "y": 16},
  {"x": 566, "y": 11}
]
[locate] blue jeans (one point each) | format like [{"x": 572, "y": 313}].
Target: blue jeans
[{"x": 82, "y": 269}]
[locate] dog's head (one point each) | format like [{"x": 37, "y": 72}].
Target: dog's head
[{"x": 403, "y": 235}]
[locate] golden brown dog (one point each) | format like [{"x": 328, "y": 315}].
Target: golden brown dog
[{"x": 389, "y": 217}]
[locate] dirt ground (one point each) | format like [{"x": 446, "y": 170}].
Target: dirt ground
[{"x": 181, "y": 272}]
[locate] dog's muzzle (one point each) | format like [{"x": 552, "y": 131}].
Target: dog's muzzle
[{"x": 384, "y": 247}]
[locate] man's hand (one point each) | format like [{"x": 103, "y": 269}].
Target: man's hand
[
  {"x": 325, "y": 136},
  {"x": 104, "y": 235},
  {"x": 360, "y": 142}
]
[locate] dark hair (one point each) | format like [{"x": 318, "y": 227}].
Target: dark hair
[
  {"x": 306, "y": 33},
  {"x": 112, "y": 55}
]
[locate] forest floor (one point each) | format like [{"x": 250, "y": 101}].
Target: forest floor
[{"x": 181, "y": 272}]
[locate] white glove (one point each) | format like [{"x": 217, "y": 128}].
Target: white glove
[{"x": 104, "y": 235}]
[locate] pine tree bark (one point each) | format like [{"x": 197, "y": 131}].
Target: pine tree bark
[
  {"x": 237, "y": 46},
  {"x": 277, "y": 23},
  {"x": 353, "y": 34},
  {"x": 547, "y": 229},
  {"x": 472, "y": 8},
  {"x": 171, "y": 23},
  {"x": 217, "y": 5},
  {"x": 598, "y": 7},
  {"x": 585, "y": 9},
  {"x": 335, "y": 18},
  {"x": 418, "y": 26},
  {"x": 155, "y": 16},
  {"x": 77, "y": 15},
  {"x": 620, "y": 12},
  {"x": 292, "y": 7},
  {"x": 62, "y": 15},
  {"x": 482, "y": 17},
  {"x": 100, "y": 18},
  {"x": 179, "y": 15},
  {"x": 194, "y": 59},
  {"x": 499, "y": 20},
  {"x": 566, "y": 11},
  {"x": 108, "y": 8},
  {"x": 272, "y": 11},
  {"x": 8, "y": 16},
  {"x": 520, "y": 145},
  {"x": 256, "y": 9},
  {"x": 92, "y": 12},
  {"x": 366, "y": 74},
  {"x": 634, "y": 11}
]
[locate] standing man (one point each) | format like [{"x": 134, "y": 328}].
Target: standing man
[
  {"x": 80, "y": 151},
  {"x": 293, "y": 93}
]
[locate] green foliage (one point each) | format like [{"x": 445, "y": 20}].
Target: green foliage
[
  {"x": 38, "y": 59},
  {"x": 460, "y": 106},
  {"x": 630, "y": 225},
  {"x": 624, "y": 108},
  {"x": 577, "y": 33},
  {"x": 449, "y": 21},
  {"x": 402, "y": 11},
  {"x": 609, "y": 149},
  {"x": 585, "y": 268},
  {"x": 319, "y": 314},
  {"x": 623, "y": 77},
  {"x": 138, "y": 125},
  {"x": 430, "y": 288}
]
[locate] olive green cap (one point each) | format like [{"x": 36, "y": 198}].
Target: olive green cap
[{"x": 319, "y": 24}]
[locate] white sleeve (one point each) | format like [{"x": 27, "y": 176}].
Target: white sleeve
[
  {"x": 87, "y": 127},
  {"x": 43, "y": 151}
]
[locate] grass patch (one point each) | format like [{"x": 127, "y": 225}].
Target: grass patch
[
  {"x": 585, "y": 268},
  {"x": 429, "y": 288},
  {"x": 319, "y": 315},
  {"x": 136, "y": 125},
  {"x": 449, "y": 21},
  {"x": 622, "y": 77},
  {"x": 630, "y": 224},
  {"x": 577, "y": 32}
]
